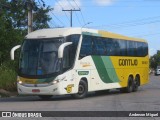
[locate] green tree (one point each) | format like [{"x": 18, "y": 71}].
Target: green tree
[
  {"x": 155, "y": 60},
  {"x": 13, "y": 23},
  {"x": 9, "y": 36},
  {"x": 19, "y": 12},
  {"x": 13, "y": 28}
]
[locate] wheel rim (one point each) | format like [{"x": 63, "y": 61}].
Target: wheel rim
[
  {"x": 136, "y": 83},
  {"x": 81, "y": 89},
  {"x": 130, "y": 86}
]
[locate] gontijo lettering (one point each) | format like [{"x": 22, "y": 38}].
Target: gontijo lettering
[{"x": 128, "y": 62}]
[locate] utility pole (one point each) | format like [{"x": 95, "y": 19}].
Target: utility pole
[
  {"x": 30, "y": 16},
  {"x": 71, "y": 10}
]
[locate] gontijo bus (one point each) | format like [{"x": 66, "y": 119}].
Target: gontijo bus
[{"x": 79, "y": 60}]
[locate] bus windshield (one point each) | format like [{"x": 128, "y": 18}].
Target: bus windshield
[{"x": 40, "y": 56}]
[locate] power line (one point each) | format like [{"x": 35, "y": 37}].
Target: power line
[
  {"x": 70, "y": 4},
  {"x": 53, "y": 24},
  {"x": 147, "y": 35},
  {"x": 78, "y": 19},
  {"x": 62, "y": 9},
  {"x": 76, "y": 4},
  {"x": 140, "y": 20},
  {"x": 136, "y": 24},
  {"x": 131, "y": 23},
  {"x": 80, "y": 12},
  {"x": 75, "y": 12},
  {"x": 71, "y": 10},
  {"x": 83, "y": 18},
  {"x": 122, "y": 6},
  {"x": 57, "y": 18}
]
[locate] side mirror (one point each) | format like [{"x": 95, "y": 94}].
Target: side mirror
[
  {"x": 61, "y": 49},
  {"x": 12, "y": 51}
]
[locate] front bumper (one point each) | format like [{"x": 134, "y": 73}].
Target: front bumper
[{"x": 56, "y": 89}]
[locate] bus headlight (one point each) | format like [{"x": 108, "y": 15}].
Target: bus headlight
[
  {"x": 56, "y": 81},
  {"x": 20, "y": 82},
  {"x": 59, "y": 79}
]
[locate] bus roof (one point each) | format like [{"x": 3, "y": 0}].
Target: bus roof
[{"x": 61, "y": 32}]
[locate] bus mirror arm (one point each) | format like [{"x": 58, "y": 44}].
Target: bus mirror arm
[
  {"x": 12, "y": 51},
  {"x": 61, "y": 49}
]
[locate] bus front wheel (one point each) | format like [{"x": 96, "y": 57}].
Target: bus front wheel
[{"x": 82, "y": 90}]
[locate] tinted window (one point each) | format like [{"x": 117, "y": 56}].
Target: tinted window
[
  {"x": 70, "y": 51},
  {"x": 86, "y": 47},
  {"x": 145, "y": 49},
  {"x": 122, "y": 47},
  {"x": 139, "y": 49},
  {"x": 131, "y": 48},
  {"x": 99, "y": 46},
  {"x": 109, "y": 46},
  {"x": 93, "y": 45}
]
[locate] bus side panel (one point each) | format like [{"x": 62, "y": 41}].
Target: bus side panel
[
  {"x": 93, "y": 69},
  {"x": 108, "y": 72},
  {"x": 126, "y": 66},
  {"x": 104, "y": 73}
]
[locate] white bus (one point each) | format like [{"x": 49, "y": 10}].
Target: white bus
[{"x": 78, "y": 60}]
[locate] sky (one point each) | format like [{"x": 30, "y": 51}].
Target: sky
[{"x": 133, "y": 18}]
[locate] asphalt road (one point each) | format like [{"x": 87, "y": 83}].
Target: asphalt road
[{"x": 147, "y": 98}]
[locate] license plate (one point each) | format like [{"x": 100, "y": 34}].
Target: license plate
[{"x": 35, "y": 90}]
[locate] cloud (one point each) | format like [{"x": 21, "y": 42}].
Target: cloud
[
  {"x": 104, "y": 2},
  {"x": 66, "y": 5}
]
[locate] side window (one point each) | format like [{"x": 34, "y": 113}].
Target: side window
[
  {"x": 145, "y": 49},
  {"x": 109, "y": 47},
  {"x": 70, "y": 51},
  {"x": 86, "y": 47},
  {"x": 122, "y": 47},
  {"x": 99, "y": 45},
  {"x": 139, "y": 49},
  {"x": 66, "y": 58},
  {"x": 131, "y": 48},
  {"x": 116, "y": 47},
  {"x": 74, "y": 39}
]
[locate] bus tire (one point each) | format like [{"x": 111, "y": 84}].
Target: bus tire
[
  {"x": 45, "y": 97},
  {"x": 136, "y": 84},
  {"x": 82, "y": 90},
  {"x": 129, "y": 87}
]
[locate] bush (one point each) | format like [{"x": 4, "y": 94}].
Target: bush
[{"x": 8, "y": 76}]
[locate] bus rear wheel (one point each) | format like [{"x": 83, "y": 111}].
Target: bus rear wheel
[
  {"x": 129, "y": 88},
  {"x": 82, "y": 90},
  {"x": 136, "y": 84}
]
